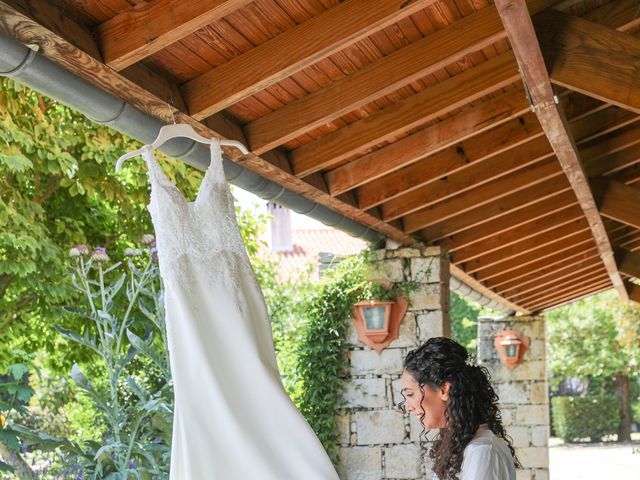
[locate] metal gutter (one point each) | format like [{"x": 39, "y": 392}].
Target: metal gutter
[{"x": 43, "y": 75}]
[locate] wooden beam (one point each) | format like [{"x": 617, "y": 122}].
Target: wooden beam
[
  {"x": 548, "y": 274},
  {"x": 545, "y": 284},
  {"x": 590, "y": 58},
  {"x": 618, "y": 201},
  {"x": 581, "y": 239},
  {"x": 524, "y": 232},
  {"x": 557, "y": 303},
  {"x": 570, "y": 230},
  {"x": 533, "y": 214},
  {"x": 634, "y": 291},
  {"x": 414, "y": 111},
  {"x": 576, "y": 289},
  {"x": 477, "y": 286},
  {"x": 621, "y": 15},
  {"x": 151, "y": 26},
  {"x": 24, "y": 24},
  {"x": 417, "y": 60},
  {"x": 522, "y": 37},
  {"x": 293, "y": 50},
  {"x": 501, "y": 161},
  {"x": 628, "y": 262}
]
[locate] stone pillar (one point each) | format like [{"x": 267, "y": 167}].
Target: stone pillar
[
  {"x": 378, "y": 441},
  {"x": 523, "y": 391}
]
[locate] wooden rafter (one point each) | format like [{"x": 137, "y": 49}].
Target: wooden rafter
[
  {"x": 629, "y": 262},
  {"x": 591, "y": 58},
  {"x": 151, "y": 26},
  {"x": 618, "y": 201},
  {"x": 305, "y": 44},
  {"x": 559, "y": 302},
  {"x": 416, "y": 110},
  {"x": 524, "y": 42}
]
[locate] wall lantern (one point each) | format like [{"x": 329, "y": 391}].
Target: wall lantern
[
  {"x": 511, "y": 346},
  {"x": 378, "y": 322}
]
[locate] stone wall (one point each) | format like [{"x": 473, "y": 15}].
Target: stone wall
[
  {"x": 523, "y": 391},
  {"x": 378, "y": 441}
]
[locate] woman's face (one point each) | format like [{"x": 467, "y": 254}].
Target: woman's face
[{"x": 426, "y": 403}]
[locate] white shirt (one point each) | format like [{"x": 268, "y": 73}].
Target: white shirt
[{"x": 487, "y": 457}]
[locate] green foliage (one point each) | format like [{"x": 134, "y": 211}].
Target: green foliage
[
  {"x": 58, "y": 188},
  {"x": 123, "y": 323},
  {"x": 464, "y": 322},
  {"x": 322, "y": 364},
  {"x": 597, "y": 337},
  {"x": 575, "y": 418}
]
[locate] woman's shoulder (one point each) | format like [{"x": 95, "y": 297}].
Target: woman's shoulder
[{"x": 487, "y": 457}]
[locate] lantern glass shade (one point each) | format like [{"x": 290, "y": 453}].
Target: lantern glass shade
[
  {"x": 512, "y": 350},
  {"x": 374, "y": 316}
]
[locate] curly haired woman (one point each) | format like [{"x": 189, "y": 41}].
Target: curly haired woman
[{"x": 446, "y": 391}]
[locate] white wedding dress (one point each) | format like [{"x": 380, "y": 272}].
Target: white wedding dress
[{"x": 233, "y": 420}]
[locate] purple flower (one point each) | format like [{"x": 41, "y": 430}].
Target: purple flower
[{"x": 100, "y": 255}]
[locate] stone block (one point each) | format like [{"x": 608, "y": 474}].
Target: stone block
[
  {"x": 430, "y": 324},
  {"x": 344, "y": 428},
  {"x": 427, "y": 297},
  {"x": 408, "y": 335},
  {"x": 402, "y": 461},
  {"x": 540, "y": 436},
  {"x": 360, "y": 463},
  {"x": 536, "y": 350},
  {"x": 532, "y": 415},
  {"x": 513, "y": 392},
  {"x": 396, "y": 391},
  {"x": 352, "y": 334},
  {"x": 379, "y": 427},
  {"x": 539, "y": 393},
  {"x": 365, "y": 393},
  {"x": 404, "y": 253},
  {"x": 425, "y": 270},
  {"x": 520, "y": 436},
  {"x": 391, "y": 270},
  {"x": 541, "y": 475},
  {"x": 508, "y": 415},
  {"x": 500, "y": 373},
  {"x": 524, "y": 474},
  {"x": 533, "y": 457},
  {"x": 365, "y": 362},
  {"x": 432, "y": 251}
]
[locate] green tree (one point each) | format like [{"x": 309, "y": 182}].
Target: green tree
[
  {"x": 57, "y": 189},
  {"x": 598, "y": 337}
]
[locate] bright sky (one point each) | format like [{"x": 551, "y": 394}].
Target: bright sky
[{"x": 250, "y": 201}]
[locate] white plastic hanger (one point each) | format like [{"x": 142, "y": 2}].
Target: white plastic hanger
[{"x": 169, "y": 132}]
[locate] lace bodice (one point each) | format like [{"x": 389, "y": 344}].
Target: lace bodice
[{"x": 202, "y": 234}]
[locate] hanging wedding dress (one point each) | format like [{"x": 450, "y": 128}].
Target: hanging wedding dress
[{"x": 233, "y": 420}]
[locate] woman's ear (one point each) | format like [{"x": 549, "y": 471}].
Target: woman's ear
[{"x": 444, "y": 391}]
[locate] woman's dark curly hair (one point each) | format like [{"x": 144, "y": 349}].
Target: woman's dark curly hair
[{"x": 472, "y": 401}]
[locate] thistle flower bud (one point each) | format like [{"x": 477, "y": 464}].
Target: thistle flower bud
[
  {"x": 148, "y": 239},
  {"x": 100, "y": 255},
  {"x": 83, "y": 249},
  {"x": 74, "y": 252},
  {"x": 133, "y": 252}
]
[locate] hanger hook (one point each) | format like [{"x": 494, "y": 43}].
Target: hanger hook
[{"x": 170, "y": 106}]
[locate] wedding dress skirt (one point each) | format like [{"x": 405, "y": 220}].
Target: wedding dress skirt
[{"x": 233, "y": 420}]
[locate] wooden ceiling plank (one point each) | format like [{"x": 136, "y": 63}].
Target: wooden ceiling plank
[
  {"x": 387, "y": 124},
  {"x": 576, "y": 272},
  {"x": 534, "y": 214},
  {"x": 619, "y": 201},
  {"x": 628, "y": 262},
  {"x": 429, "y": 141},
  {"x": 548, "y": 274},
  {"x": 524, "y": 42},
  {"x": 596, "y": 281},
  {"x": 634, "y": 291},
  {"x": 147, "y": 28},
  {"x": 582, "y": 239},
  {"x": 417, "y": 60},
  {"x": 19, "y": 24},
  {"x": 569, "y": 230},
  {"x": 557, "y": 303},
  {"x": 592, "y": 59},
  {"x": 291, "y": 51},
  {"x": 503, "y": 162},
  {"x": 526, "y": 231}
]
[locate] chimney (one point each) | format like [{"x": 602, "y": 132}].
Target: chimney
[{"x": 281, "y": 235}]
